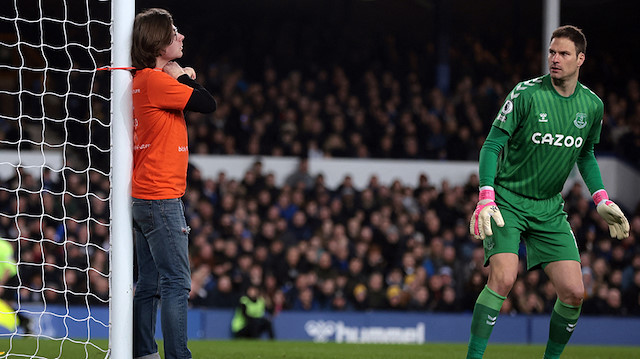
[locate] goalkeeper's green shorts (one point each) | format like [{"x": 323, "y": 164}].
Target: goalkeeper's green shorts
[{"x": 542, "y": 224}]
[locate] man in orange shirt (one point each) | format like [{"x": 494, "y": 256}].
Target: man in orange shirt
[{"x": 161, "y": 91}]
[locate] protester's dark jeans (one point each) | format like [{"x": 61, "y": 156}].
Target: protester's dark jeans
[{"x": 161, "y": 238}]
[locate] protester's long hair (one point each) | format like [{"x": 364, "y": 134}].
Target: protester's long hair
[{"x": 152, "y": 33}]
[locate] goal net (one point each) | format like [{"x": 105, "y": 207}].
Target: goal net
[{"x": 60, "y": 279}]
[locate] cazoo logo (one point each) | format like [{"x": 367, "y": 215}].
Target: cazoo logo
[
  {"x": 558, "y": 140},
  {"x": 323, "y": 331}
]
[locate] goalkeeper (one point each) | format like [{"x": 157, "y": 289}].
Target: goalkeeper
[{"x": 546, "y": 126}]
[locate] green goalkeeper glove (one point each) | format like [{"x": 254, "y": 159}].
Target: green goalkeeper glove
[
  {"x": 612, "y": 214},
  {"x": 480, "y": 226}
]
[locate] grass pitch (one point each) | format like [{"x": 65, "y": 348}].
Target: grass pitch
[{"x": 244, "y": 349}]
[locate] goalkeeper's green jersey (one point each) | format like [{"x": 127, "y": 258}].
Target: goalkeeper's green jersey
[{"x": 546, "y": 134}]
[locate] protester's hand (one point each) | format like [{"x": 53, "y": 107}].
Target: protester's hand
[
  {"x": 191, "y": 72},
  {"x": 174, "y": 70}
]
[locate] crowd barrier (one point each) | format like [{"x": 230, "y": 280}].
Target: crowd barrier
[{"x": 354, "y": 327}]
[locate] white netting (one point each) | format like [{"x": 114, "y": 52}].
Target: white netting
[{"x": 54, "y": 177}]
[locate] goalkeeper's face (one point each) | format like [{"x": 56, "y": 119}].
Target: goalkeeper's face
[
  {"x": 174, "y": 50},
  {"x": 564, "y": 61}
]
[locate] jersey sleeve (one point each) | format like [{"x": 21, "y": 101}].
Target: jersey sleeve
[
  {"x": 167, "y": 93},
  {"x": 513, "y": 110},
  {"x": 594, "y": 133},
  {"x": 589, "y": 169},
  {"x": 587, "y": 163},
  {"x": 493, "y": 145}
]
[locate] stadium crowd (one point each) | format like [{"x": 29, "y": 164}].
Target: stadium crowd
[
  {"x": 310, "y": 247},
  {"x": 328, "y": 114},
  {"x": 383, "y": 247}
]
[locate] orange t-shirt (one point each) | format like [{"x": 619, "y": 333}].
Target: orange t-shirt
[{"x": 160, "y": 141}]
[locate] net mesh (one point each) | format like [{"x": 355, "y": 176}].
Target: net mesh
[{"x": 54, "y": 177}]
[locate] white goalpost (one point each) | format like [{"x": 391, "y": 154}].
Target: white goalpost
[
  {"x": 66, "y": 248},
  {"x": 121, "y": 305}
]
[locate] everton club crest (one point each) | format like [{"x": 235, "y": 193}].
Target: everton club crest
[{"x": 581, "y": 120}]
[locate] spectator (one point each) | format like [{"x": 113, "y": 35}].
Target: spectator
[
  {"x": 360, "y": 298},
  {"x": 472, "y": 289},
  {"x": 449, "y": 301},
  {"x": 396, "y": 298},
  {"x": 301, "y": 176},
  {"x": 305, "y": 301},
  {"x": 614, "y": 303},
  {"x": 222, "y": 296},
  {"x": 375, "y": 291},
  {"x": 326, "y": 294},
  {"x": 629, "y": 142},
  {"x": 598, "y": 303},
  {"x": 419, "y": 301},
  {"x": 631, "y": 294}
]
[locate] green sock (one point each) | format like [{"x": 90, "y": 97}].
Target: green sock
[
  {"x": 484, "y": 318},
  {"x": 563, "y": 322}
]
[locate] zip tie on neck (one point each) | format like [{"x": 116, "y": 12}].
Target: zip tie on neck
[{"x": 109, "y": 68}]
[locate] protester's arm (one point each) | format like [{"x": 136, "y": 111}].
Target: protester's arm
[{"x": 200, "y": 100}]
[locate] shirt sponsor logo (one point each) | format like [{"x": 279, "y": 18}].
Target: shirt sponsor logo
[
  {"x": 183, "y": 149},
  {"x": 135, "y": 91},
  {"x": 557, "y": 140},
  {"x": 143, "y": 146},
  {"x": 581, "y": 120}
]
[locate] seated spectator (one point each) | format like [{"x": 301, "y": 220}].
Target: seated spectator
[
  {"x": 448, "y": 302},
  {"x": 360, "y": 298},
  {"x": 305, "y": 301},
  {"x": 396, "y": 298},
  {"x": 419, "y": 301},
  {"x": 301, "y": 176},
  {"x": 223, "y": 296},
  {"x": 376, "y": 292},
  {"x": 614, "y": 303}
]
